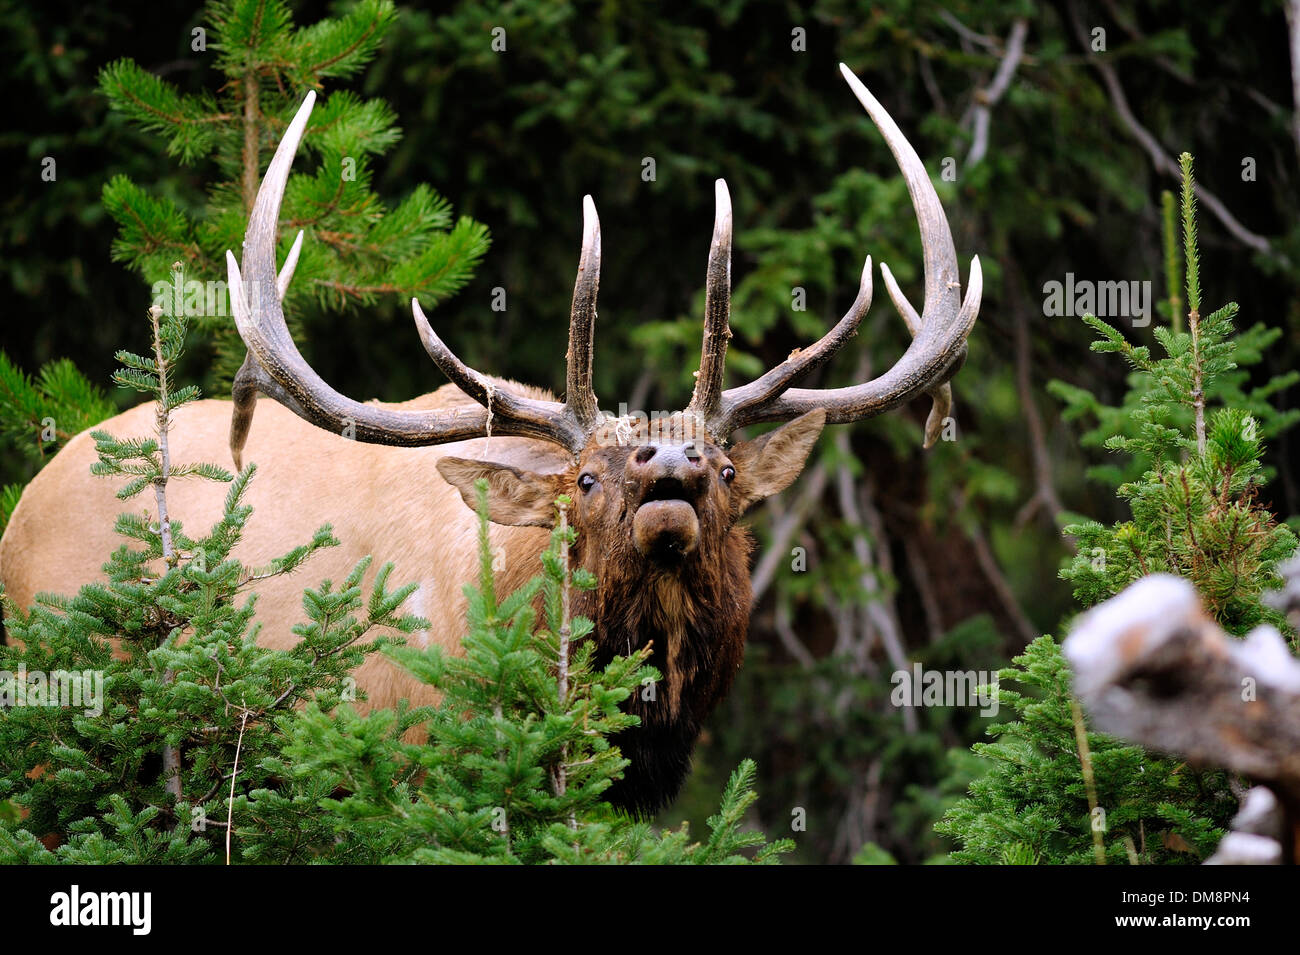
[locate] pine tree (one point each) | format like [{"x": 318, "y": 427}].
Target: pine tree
[
  {"x": 39, "y": 414},
  {"x": 356, "y": 250},
  {"x": 518, "y": 755},
  {"x": 1054, "y": 792},
  {"x": 132, "y": 758},
  {"x": 1036, "y": 803},
  {"x": 1196, "y": 508}
]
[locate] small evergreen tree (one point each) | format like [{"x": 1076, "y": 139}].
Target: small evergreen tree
[
  {"x": 518, "y": 755},
  {"x": 356, "y": 249},
  {"x": 140, "y": 769},
  {"x": 1054, "y": 792},
  {"x": 1045, "y": 799},
  {"x": 1195, "y": 508}
]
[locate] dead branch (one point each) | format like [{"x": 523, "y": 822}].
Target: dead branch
[
  {"x": 988, "y": 564},
  {"x": 784, "y": 530},
  {"x": 878, "y": 608},
  {"x": 1162, "y": 161},
  {"x": 987, "y": 98},
  {"x": 1293, "y": 36},
  {"x": 1044, "y": 499}
]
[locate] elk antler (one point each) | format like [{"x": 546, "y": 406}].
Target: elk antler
[
  {"x": 275, "y": 367},
  {"x": 938, "y": 334}
]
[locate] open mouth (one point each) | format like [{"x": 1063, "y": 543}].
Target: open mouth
[
  {"x": 664, "y": 489},
  {"x": 666, "y": 527}
]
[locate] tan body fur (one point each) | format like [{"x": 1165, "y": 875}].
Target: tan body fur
[{"x": 388, "y": 502}]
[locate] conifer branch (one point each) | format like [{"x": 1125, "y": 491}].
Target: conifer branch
[
  {"x": 1169, "y": 228},
  {"x": 1192, "y": 261},
  {"x": 171, "y": 754},
  {"x": 162, "y": 419}
]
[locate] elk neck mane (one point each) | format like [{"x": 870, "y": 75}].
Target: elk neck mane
[{"x": 695, "y": 619}]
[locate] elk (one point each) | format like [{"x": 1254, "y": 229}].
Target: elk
[{"x": 656, "y": 505}]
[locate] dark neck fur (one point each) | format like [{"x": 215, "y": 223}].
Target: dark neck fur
[{"x": 696, "y": 617}]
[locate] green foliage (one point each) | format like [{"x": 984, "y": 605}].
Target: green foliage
[
  {"x": 129, "y": 757},
  {"x": 38, "y": 415},
  {"x": 192, "y": 732},
  {"x": 1032, "y": 807},
  {"x": 145, "y": 461},
  {"x": 1196, "y": 509},
  {"x": 1195, "y": 513},
  {"x": 518, "y": 752},
  {"x": 356, "y": 248},
  {"x": 1154, "y": 422}
]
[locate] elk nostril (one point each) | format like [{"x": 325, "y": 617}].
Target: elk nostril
[{"x": 645, "y": 454}]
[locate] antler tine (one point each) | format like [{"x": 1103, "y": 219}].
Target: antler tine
[
  {"x": 250, "y": 379},
  {"x": 940, "y": 395},
  {"x": 578, "y": 416},
  {"x": 275, "y": 367},
  {"x": 508, "y": 412},
  {"x": 940, "y": 332},
  {"x": 579, "y": 395},
  {"x": 290, "y": 265},
  {"x": 707, "y": 396}
]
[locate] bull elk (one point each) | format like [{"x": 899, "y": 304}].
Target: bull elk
[{"x": 656, "y": 507}]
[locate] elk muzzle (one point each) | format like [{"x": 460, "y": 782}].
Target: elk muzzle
[{"x": 665, "y": 483}]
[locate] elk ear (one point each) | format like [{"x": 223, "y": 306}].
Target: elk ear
[
  {"x": 769, "y": 464},
  {"x": 515, "y": 498}
]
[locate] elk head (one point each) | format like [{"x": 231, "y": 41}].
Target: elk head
[{"x": 655, "y": 502}]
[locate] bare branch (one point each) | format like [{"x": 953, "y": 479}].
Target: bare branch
[
  {"x": 1162, "y": 161},
  {"x": 1293, "y": 30},
  {"x": 988, "y": 97},
  {"x": 784, "y": 530}
]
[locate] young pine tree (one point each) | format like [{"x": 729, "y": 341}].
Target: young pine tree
[
  {"x": 1053, "y": 792},
  {"x": 356, "y": 249},
  {"x": 518, "y": 755},
  {"x": 179, "y": 708}
]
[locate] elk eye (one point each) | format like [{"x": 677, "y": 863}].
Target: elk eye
[
  {"x": 728, "y": 474},
  {"x": 586, "y": 482}
]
